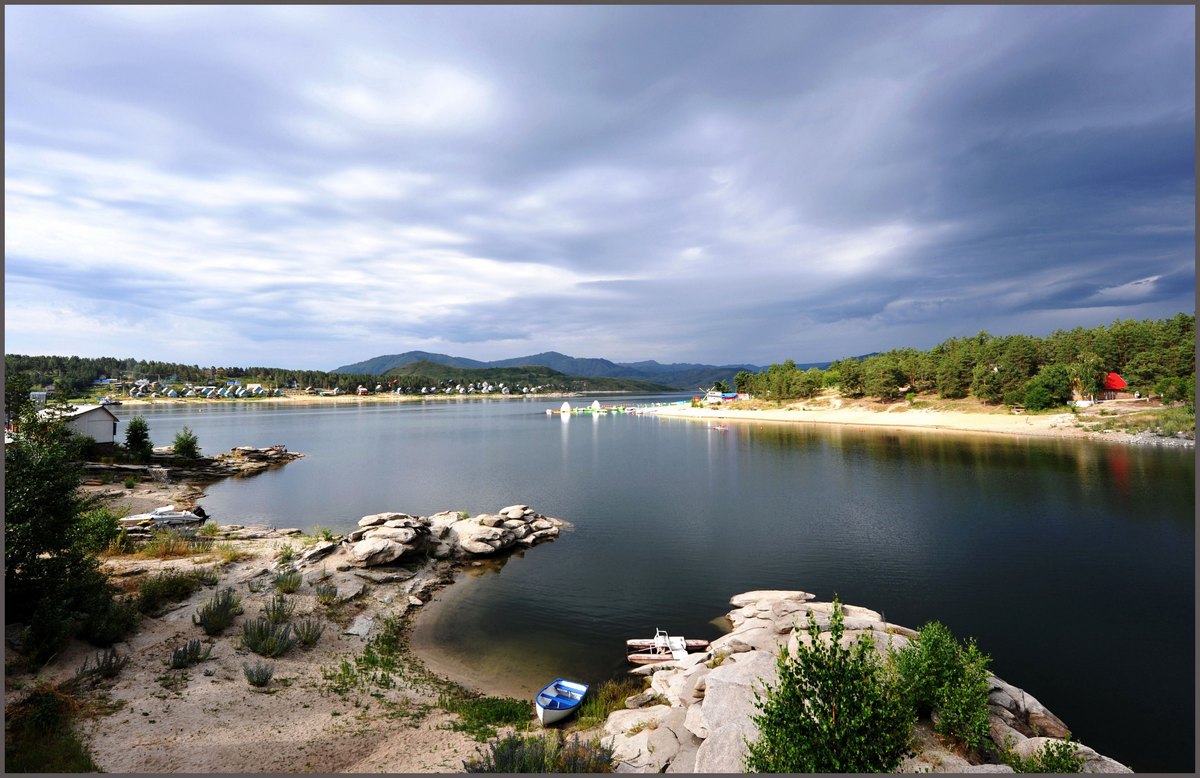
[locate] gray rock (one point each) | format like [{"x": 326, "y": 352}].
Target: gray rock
[
  {"x": 288, "y": 531},
  {"x": 318, "y": 552},
  {"x": 386, "y": 575},
  {"x": 371, "y": 521},
  {"x": 488, "y": 520},
  {"x": 404, "y": 535},
  {"x": 349, "y": 588},
  {"x": 361, "y": 627},
  {"x": 373, "y": 551},
  {"x": 356, "y": 535}
]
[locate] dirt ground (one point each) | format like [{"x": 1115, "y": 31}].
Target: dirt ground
[{"x": 208, "y": 719}]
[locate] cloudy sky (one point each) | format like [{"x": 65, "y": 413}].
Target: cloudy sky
[{"x": 311, "y": 186}]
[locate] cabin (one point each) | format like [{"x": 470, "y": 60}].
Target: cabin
[
  {"x": 1114, "y": 387},
  {"x": 94, "y": 421}
]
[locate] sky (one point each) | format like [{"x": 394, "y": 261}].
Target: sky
[{"x": 310, "y": 186}]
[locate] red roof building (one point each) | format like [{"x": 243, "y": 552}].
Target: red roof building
[{"x": 1114, "y": 382}]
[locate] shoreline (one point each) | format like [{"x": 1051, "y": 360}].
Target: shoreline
[{"x": 1063, "y": 426}]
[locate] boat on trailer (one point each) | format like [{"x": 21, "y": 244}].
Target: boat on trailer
[
  {"x": 559, "y": 699},
  {"x": 661, "y": 648}
]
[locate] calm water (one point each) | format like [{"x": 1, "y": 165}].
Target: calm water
[{"x": 1072, "y": 564}]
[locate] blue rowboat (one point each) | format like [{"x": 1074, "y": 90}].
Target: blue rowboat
[{"x": 559, "y": 699}]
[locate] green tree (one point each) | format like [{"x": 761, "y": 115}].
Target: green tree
[
  {"x": 49, "y": 575},
  {"x": 17, "y": 387},
  {"x": 137, "y": 439},
  {"x": 831, "y": 709},
  {"x": 187, "y": 444}
]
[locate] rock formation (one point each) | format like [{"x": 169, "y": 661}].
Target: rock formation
[{"x": 698, "y": 714}]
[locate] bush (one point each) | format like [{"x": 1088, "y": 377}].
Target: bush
[
  {"x": 167, "y": 586},
  {"x": 186, "y": 444},
  {"x": 97, "y": 529},
  {"x": 267, "y": 639},
  {"x": 605, "y": 698},
  {"x": 166, "y": 544},
  {"x": 39, "y": 737},
  {"x": 111, "y": 622},
  {"x": 130, "y": 481},
  {"x": 258, "y": 674},
  {"x": 830, "y": 710},
  {"x": 209, "y": 529},
  {"x": 542, "y": 754},
  {"x": 937, "y": 673},
  {"x": 285, "y": 554},
  {"x": 1054, "y": 757},
  {"x": 218, "y": 613}
]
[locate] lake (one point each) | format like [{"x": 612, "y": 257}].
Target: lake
[{"x": 1071, "y": 563}]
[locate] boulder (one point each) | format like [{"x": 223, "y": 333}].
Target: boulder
[
  {"x": 652, "y": 746},
  {"x": 318, "y": 552},
  {"x": 375, "y": 519},
  {"x": 376, "y": 551},
  {"x": 404, "y": 535},
  {"x": 361, "y": 627},
  {"x": 386, "y": 576}
]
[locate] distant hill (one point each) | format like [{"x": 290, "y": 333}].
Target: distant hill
[
  {"x": 682, "y": 376},
  {"x": 529, "y": 375}
]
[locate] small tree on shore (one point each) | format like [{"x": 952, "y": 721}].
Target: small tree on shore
[
  {"x": 186, "y": 444},
  {"x": 831, "y": 709},
  {"x": 137, "y": 439}
]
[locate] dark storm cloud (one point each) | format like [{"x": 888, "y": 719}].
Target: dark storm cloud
[{"x": 717, "y": 183}]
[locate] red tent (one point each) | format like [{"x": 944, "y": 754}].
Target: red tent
[{"x": 1114, "y": 382}]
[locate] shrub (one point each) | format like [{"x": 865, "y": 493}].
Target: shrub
[
  {"x": 1054, "y": 757},
  {"x": 288, "y": 581},
  {"x": 267, "y": 639},
  {"x": 39, "y": 737},
  {"x": 258, "y": 674},
  {"x": 229, "y": 553},
  {"x": 111, "y": 622},
  {"x": 167, "y": 586},
  {"x": 326, "y": 594},
  {"x": 97, "y": 529},
  {"x": 206, "y": 576},
  {"x": 279, "y": 609},
  {"x": 308, "y": 631},
  {"x": 130, "y": 481},
  {"x": 218, "y": 613},
  {"x": 188, "y": 654},
  {"x": 542, "y": 754},
  {"x": 830, "y": 710},
  {"x": 937, "y": 673},
  {"x": 209, "y": 529},
  {"x": 186, "y": 444},
  {"x": 166, "y": 544}
]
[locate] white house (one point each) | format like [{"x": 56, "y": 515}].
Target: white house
[{"x": 94, "y": 421}]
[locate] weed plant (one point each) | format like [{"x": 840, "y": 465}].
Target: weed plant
[
  {"x": 267, "y": 639},
  {"x": 308, "y": 631},
  {"x": 108, "y": 664},
  {"x": 258, "y": 674},
  {"x": 326, "y": 594},
  {"x": 218, "y": 613},
  {"x": 190, "y": 653},
  {"x": 254, "y": 586},
  {"x": 286, "y": 554},
  {"x": 206, "y": 576},
  {"x": 209, "y": 529},
  {"x": 288, "y": 581},
  {"x": 279, "y": 609},
  {"x": 229, "y": 553},
  {"x": 111, "y": 622}
]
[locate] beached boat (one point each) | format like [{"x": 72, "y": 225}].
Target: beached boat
[
  {"x": 559, "y": 699},
  {"x": 166, "y": 516},
  {"x": 661, "y": 648}
]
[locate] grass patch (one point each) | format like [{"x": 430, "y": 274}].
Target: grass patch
[
  {"x": 542, "y": 754},
  {"x": 229, "y": 553},
  {"x": 480, "y": 716},
  {"x": 604, "y": 699},
  {"x": 168, "y": 544},
  {"x": 1167, "y": 423}
]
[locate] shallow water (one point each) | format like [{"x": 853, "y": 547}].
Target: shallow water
[{"x": 1072, "y": 563}]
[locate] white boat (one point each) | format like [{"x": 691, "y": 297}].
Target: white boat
[
  {"x": 166, "y": 516},
  {"x": 661, "y": 648},
  {"x": 559, "y": 699}
]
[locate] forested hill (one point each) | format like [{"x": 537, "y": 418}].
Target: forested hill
[
  {"x": 427, "y": 373},
  {"x": 682, "y": 376}
]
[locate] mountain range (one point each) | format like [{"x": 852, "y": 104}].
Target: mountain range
[{"x": 680, "y": 375}]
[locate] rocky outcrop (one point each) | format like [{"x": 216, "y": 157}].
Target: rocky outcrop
[{"x": 703, "y": 707}]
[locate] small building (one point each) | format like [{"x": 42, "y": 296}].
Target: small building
[
  {"x": 1114, "y": 388},
  {"x": 94, "y": 421}
]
